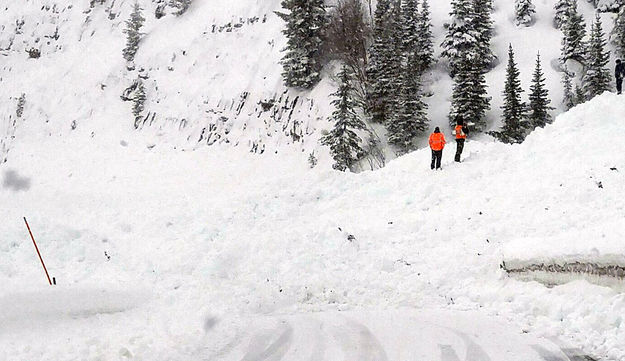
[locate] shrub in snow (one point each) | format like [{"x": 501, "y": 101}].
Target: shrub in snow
[
  {"x": 181, "y": 6},
  {"x": 514, "y": 128},
  {"x": 138, "y": 102},
  {"x": 344, "y": 143},
  {"x": 539, "y": 99},
  {"x": 305, "y": 26},
  {"x": 524, "y": 12},
  {"x": 21, "y": 102},
  {"x": 312, "y": 160},
  {"x": 609, "y": 5},
  {"x": 34, "y": 53},
  {"x": 159, "y": 12},
  {"x": 133, "y": 34},
  {"x": 598, "y": 77},
  {"x": 580, "y": 97}
]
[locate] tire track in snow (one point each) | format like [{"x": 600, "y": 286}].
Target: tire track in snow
[
  {"x": 474, "y": 351},
  {"x": 448, "y": 353},
  {"x": 359, "y": 343},
  {"x": 261, "y": 350},
  {"x": 548, "y": 355}
]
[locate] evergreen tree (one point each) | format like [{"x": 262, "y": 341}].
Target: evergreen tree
[
  {"x": 426, "y": 39},
  {"x": 524, "y": 12},
  {"x": 619, "y": 33},
  {"x": 562, "y": 9},
  {"x": 573, "y": 31},
  {"x": 181, "y": 6},
  {"x": 539, "y": 99},
  {"x": 598, "y": 77},
  {"x": 133, "y": 33},
  {"x": 344, "y": 143},
  {"x": 409, "y": 24},
  {"x": 469, "y": 98},
  {"x": 483, "y": 25},
  {"x": 411, "y": 117},
  {"x": 138, "y": 101},
  {"x": 569, "y": 100},
  {"x": 461, "y": 42},
  {"x": 380, "y": 58},
  {"x": 305, "y": 24},
  {"x": 513, "y": 129},
  {"x": 397, "y": 61}
]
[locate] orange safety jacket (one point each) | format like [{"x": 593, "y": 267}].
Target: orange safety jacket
[
  {"x": 459, "y": 133},
  {"x": 437, "y": 141}
]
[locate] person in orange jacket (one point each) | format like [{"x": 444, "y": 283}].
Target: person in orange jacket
[
  {"x": 461, "y": 132},
  {"x": 437, "y": 143}
]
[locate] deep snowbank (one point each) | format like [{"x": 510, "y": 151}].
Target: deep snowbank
[{"x": 223, "y": 233}]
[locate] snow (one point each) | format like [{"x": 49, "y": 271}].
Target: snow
[
  {"x": 219, "y": 233},
  {"x": 166, "y": 249},
  {"x": 211, "y": 70},
  {"x": 601, "y": 245}
]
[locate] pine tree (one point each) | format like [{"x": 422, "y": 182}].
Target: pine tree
[
  {"x": 524, "y": 12},
  {"x": 426, "y": 38},
  {"x": 138, "y": 101},
  {"x": 397, "y": 60},
  {"x": 181, "y": 6},
  {"x": 598, "y": 77},
  {"x": 461, "y": 42},
  {"x": 409, "y": 24},
  {"x": 411, "y": 116},
  {"x": 469, "y": 98},
  {"x": 539, "y": 99},
  {"x": 569, "y": 100},
  {"x": 562, "y": 9},
  {"x": 574, "y": 32},
  {"x": 619, "y": 33},
  {"x": 133, "y": 33},
  {"x": 513, "y": 130},
  {"x": 483, "y": 25},
  {"x": 344, "y": 143},
  {"x": 380, "y": 58},
  {"x": 305, "y": 24}
]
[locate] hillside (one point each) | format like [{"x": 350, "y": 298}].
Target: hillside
[
  {"x": 248, "y": 236},
  {"x": 166, "y": 248},
  {"x": 211, "y": 75}
]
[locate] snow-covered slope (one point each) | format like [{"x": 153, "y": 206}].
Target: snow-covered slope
[
  {"x": 221, "y": 233},
  {"x": 212, "y": 75}
]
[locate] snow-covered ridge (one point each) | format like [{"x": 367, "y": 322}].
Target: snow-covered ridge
[
  {"x": 249, "y": 235},
  {"x": 211, "y": 76}
]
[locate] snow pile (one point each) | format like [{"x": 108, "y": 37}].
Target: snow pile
[
  {"x": 230, "y": 235},
  {"x": 602, "y": 246}
]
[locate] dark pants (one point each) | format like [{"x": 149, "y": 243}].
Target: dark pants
[
  {"x": 459, "y": 148},
  {"x": 619, "y": 85},
  {"x": 437, "y": 155}
]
